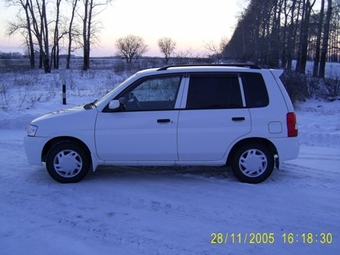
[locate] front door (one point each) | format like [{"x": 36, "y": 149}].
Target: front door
[{"x": 145, "y": 127}]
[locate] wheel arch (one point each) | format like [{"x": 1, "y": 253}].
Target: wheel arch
[
  {"x": 257, "y": 140},
  {"x": 61, "y": 139}
]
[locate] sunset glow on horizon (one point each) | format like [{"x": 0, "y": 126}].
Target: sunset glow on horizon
[{"x": 191, "y": 24}]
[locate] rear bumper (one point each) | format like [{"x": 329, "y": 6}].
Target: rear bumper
[{"x": 287, "y": 148}]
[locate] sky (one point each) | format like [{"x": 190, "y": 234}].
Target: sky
[{"x": 191, "y": 24}]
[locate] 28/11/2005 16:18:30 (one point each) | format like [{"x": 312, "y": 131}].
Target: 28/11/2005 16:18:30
[{"x": 269, "y": 238}]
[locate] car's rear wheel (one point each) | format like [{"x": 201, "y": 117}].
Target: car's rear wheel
[
  {"x": 252, "y": 163},
  {"x": 68, "y": 162}
]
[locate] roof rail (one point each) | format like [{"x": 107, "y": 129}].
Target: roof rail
[{"x": 251, "y": 66}]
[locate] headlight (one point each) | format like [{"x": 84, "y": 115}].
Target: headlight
[{"x": 32, "y": 130}]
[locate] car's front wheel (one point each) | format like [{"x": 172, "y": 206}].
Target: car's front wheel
[
  {"x": 252, "y": 163},
  {"x": 68, "y": 162}
]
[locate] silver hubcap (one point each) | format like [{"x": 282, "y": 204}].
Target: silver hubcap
[
  {"x": 253, "y": 163},
  {"x": 68, "y": 163}
]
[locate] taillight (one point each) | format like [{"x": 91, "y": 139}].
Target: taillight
[{"x": 292, "y": 125}]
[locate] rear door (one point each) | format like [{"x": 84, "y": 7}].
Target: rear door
[{"x": 214, "y": 116}]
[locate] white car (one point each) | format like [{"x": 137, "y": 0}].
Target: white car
[{"x": 214, "y": 115}]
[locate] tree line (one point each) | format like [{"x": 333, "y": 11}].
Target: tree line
[{"x": 273, "y": 33}]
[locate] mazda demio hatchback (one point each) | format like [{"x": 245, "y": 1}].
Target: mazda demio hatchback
[{"x": 235, "y": 115}]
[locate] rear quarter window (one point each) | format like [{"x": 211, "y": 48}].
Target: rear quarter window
[
  {"x": 255, "y": 90},
  {"x": 214, "y": 91}
]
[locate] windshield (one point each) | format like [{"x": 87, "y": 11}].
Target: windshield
[{"x": 97, "y": 102}]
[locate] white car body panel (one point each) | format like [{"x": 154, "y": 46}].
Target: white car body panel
[
  {"x": 73, "y": 122},
  {"x": 206, "y": 134},
  {"x": 135, "y": 136}
]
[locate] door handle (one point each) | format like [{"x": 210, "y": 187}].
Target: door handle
[
  {"x": 163, "y": 120},
  {"x": 238, "y": 119}
]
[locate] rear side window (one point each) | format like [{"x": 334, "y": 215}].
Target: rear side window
[
  {"x": 214, "y": 91},
  {"x": 255, "y": 90}
]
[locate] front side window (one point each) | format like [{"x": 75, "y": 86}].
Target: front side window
[
  {"x": 155, "y": 93},
  {"x": 214, "y": 91}
]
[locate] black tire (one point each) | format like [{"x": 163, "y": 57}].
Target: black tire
[
  {"x": 252, "y": 163},
  {"x": 68, "y": 162}
]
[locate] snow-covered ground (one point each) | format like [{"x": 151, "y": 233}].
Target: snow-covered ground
[{"x": 164, "y": 210}]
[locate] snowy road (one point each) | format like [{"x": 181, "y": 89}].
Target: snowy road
[{"x": 169, "y": 210}]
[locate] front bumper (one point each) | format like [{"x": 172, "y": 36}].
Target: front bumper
[{"x": 33, "y": 147}]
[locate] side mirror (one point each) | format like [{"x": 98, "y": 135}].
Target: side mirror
[{"x": 114, "y": 104}]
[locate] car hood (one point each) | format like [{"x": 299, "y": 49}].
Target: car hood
[
  {"x": 72, "y": 121},
  {"x": 61, "y": 112}
]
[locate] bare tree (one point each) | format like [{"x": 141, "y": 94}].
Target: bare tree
[
  {"x": 36, "y": 28},
  {"x": 61, "y": 28},
  {"x": 334, "y": 36},
  {"x": 130, "y": 46},
  {"x": 140, "y": 51},
  {"x": 56, "y": 37},
  {"x": 29, "y": 35},
  {"x": 318, "y": 40},
  {"x": 292, "y": 12},
  {"x": 44, "y": 36},
  {"x": 87, "y": 32},
  {"x": 303, "y": 41},
  {"x": 91, "y": 9},
  {"x": 39, "y": 26},
  {"x": 324, "y": 48},
  {"x": 167, "y": 47},
  {"x": 218, "y": 51},
  {"x": 71, "y": 33},
  {"x": 24, "y": 27}
]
